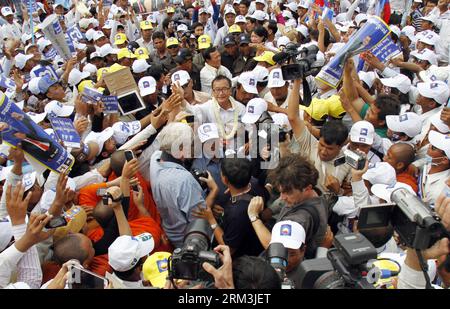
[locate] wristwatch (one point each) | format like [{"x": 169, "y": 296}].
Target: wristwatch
[
  {"x": 214, "y": 226},
  {"x": 253, "y": 218}
]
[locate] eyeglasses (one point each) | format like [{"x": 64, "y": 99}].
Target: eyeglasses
[{"x": 219, "y": 90}]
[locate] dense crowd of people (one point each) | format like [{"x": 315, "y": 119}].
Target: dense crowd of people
[{"x": 208, "y": 126}]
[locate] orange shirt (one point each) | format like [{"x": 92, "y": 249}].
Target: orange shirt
[{"x": 409, "y": 180}]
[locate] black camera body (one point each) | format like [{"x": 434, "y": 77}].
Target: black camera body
[
  {"x": 186, "y": 262},
  {"x": 277, "y": 256},
  {"x": 197, "y": 174},
  {"x": 416, "y": 224},
  {"x": 302, "y": 59}
]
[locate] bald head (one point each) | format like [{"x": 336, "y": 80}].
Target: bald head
[
  {"x": 71, "y": 247},
  {"x": 402, "y": 153},
  {"x": 103, "y": 214},
  {"x": 117, "y": 162}
]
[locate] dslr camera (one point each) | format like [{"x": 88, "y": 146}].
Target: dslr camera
[
  {"x": 277, "y": 256},
  {"x": 197, "y": 174},
  {"x": 186, "y": 262},
  {"x": 357, "y": 160},
  {"x": 303, "y": 61},
  {"x": 416, "y": 224}
]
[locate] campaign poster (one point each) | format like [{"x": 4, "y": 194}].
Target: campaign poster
[
  {"x": 66, "y": 132},
  {"x": 111, "y": 104},
  {"x": 42, "y": 70},
  {"x": 91, "y": 96},
  {"x": 36, "y": 144},
  {"x": 386, "y": 50},
  {"x": 75, "y": 34},
  {"x": 372, "y": 33}
]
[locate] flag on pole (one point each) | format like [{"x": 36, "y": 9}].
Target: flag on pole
[{"x": 383, "y": 9}]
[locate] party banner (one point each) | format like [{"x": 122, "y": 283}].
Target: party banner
[
  {"x": 386, "y": 50},
  {"x": 111, "y": 104},
  {"x": 373, "y": 32},
  {"x": 36, "y": 144},
  {"x": 75, "y": 33},
  {"x": 66, "y": 132},
  {"x": 54, "y": 33}
]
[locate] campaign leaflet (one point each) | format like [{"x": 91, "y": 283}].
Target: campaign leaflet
[
  {"x": 91, "y": 96},
  {"x": 66, "y": 132},
  {"x": 111, "y": 104},
  {"x": 386, "y": 50},
  {"x": 37, "y": 145},
  {"x": 327, "y": 13},
  {"x": 373, "y": 32}
]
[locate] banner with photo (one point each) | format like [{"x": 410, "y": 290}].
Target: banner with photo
[
  {"x": 36, "y": 143},
  {"x": 374, "y": 31}
]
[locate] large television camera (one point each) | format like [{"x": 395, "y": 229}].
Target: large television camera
[
  {"x": 277, "y": 256},
  {"x": 303, "y": 60},
  {"x": 186, "y": 262},
  {"x": 416, "y": 224}
]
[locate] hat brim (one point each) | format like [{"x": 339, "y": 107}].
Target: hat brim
[
  {"x": 249, "y": 118},
  {"x": 438, "y": 140},
  {"x": 66, "y": 111},
  {"x": 250, "y": 89},
  {"x": 147, "y": 91}
]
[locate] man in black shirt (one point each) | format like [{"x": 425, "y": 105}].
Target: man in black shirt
[
  {"x": 236, "y": 230},
  {"x": 229, "y": 52}
]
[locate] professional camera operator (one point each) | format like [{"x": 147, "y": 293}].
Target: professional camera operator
[{"x": 295, "y": 178}]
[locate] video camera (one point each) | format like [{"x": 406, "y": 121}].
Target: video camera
[
  {"x": 416, "y": 224},
  {"x": 357, "y": 160},
  {"x": 197, "y": 174},
  {"x": 347, "y": 265},
  {"x": 277, "y": 256},
  {"x": 302, "y": 58},
  {"x": 186, "y": 262}
]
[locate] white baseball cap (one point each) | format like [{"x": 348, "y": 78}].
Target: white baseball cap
[
  {"x": 426, "y": 54},
  {"x": 399, "y": 81},
  {"x": 84, "y": 22},
  {"x": 362, "y": 132},
  {"x": 182, "y": 27},
  {"x": 90, "y": 68},
  {"x": 248, "y": 81},
  {"x": 281, "y": 120},
  {"x": 107, "y": 49},
  {"x": 126, "y": 251},
  {"x": 384, "y": 191},
  {"x": 436, "y": 90},
  {"x": 276, "y": 79},
  {"x": 409, "y": 31},
  {"x": 254, "y": 109},
  {"x": 439, "y": 124},
  {"x": 409, "y": 123},
  {"x": 181, "y": 76},
  {"x": 38, "y": 118},
  {"x": 42, "y": 43},
  {"x": 76, "y": 76},
  {"x": 21, "y": 60},
  {"x": 341, "y": 17},
  {"x": 6, "y": 11},
  {"x": 261, "y": 1},
  {"x": 368, "y": 77},
  {"x": 140, "y": 66},
  {"x": 431, "y": 38},
  {"x": 57, "y": 109},
  {"x": 48, "y": 197},
  {"x": 240, "y": 19},
  {"x": 202, "y": 10},
  {"x": 123, "y": 130},
  {"x": 99, "y": 138},
  {"x": 396, "y": 30},
  {"x": 283, "y": 41},
  {"x": 98, "y": 35},
  {"x": 28, "y": 180},
  {"x": 33, "y": 85},
  {"x": 440, "y": 141},
  {"x": 25, "y": 37},
  {"x": 6, "y": 233},
  {"x": 108, "y": 24},
  {"x": 147, "y": 85},
  {"x": 430, "y": 17},
  {"x": 292, "y": 6},
  {"x": 229, "y": 10},
  {"x": 380, "y": 172},
  {"x": 304, "y": 4},
  {"x": 259, "y": 15},
  {"x": 360, "y": 18},
  {"x": 303, "y": 30},
  {"x": 287, "y": 14},
  {"x": 90, "y": 34},
  {"x": 207, "y": 131},
  {"x": 261, "y": 73},
  {"x": 290, "y": 233},
  {"x": 290, "y": 23}
]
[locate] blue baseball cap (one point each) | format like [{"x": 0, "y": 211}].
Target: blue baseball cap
[{"x": 46, "y": 82}]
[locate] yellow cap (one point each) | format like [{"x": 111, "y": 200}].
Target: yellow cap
[
  {"x": 155, "y": 268},
  {"x": 204, "y": 41},
  {"x": 170, "y": 9},
  {"x": 125, "y": 53},
  {"x": 89, "y": 83},
  {"x": 266, "y": 56},
  {"x": 335, "y": 108},
  {"x": 120, "y": 38},
  {"x": 116, "y": 67},
  {"x": 318, "y": 109},
  {"x": 141, "y": 53},
  {"x": 171, "y": 42},
  {"x": 146, "y": 25},
  {"x": 234, "y": 29}
]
